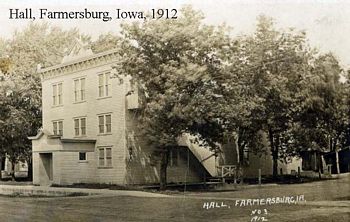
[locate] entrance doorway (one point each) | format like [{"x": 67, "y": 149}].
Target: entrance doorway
[{"x": 46, "y": 169}]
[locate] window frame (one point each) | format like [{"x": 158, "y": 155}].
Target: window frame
[
  {"x": 57, "y": 94},
  {"x": 57, "y": 127},
  {"x": 104, "y": 84},
  {"x": 60, "y": 127},
  {"x": 108, "y": 124},
  {"x": 100, "y": 85},
  {"x": 60, "y": 93},
  {"x": 104, "y": 126},
  {"x": 79, "y": 89},
  {"x": 78, "y": 126},
  {"x": 85, "y": 157},
  {"x": 101, "y": 124},
  {"x": 105, "y": 156}
]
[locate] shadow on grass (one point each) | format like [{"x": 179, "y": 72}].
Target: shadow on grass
[
  {"x": 285, "y": 179},
  {"x": 99, "y": 186},
  {"x": 21, "y": 195}
]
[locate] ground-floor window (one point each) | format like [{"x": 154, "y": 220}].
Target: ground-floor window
[
  {"x": 82, "y": 155},
  {"x": 105, "y": 156}
]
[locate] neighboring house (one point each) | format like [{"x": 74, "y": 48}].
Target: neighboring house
[
  {"x": 90, "y": 132},
  {"x": 312, "y": 160},
  {"x": 343, "y": 160},
  {"x": 252, "y": 162}
]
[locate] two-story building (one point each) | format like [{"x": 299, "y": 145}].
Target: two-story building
[{"x": 89, "y": 132}]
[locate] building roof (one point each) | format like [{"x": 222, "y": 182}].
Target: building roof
[
  {"x": 79, "y": 50},
  {"x": 79, "y": 58}
]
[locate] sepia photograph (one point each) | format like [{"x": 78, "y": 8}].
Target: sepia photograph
[{"x": 174, "y": 111}]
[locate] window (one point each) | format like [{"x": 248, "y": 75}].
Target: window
[
  {"x": 105, "y": 123},
  {"x": 108, "y": 123},
  {"x": 60, "y": 93},
  {"x": 173, "y": 157},
  {"x": 79, "y": 89},
  {"x": 101, "y": 124},
  {"x": 58, "y": 127},
  {"x": 101, "y": 157},
  {"x": 82, "y": 155},
  {"x": 54, "y": 95},
  {"x": 76, "y": 127},
  {"x": 103, "y": 84},
  {"x": 80, "y": 126},
  {"x": 83, "y": 126},
  {"x": 57, "y": 92},
  {"x": 108, "y": 157},
  {"x": 105, "y": 157}
]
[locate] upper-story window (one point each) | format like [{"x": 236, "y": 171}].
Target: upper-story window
[
  {"x": 79, "y": 89},
  {"x": 105, "y": 123},
  {"x": 57, "y": 94},
  {"x": 57, "y": 127},
  {"x": 104, "y": 84},
  {"x": 80, "y": 126}
]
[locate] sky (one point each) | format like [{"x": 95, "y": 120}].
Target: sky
[{"x": 326, "y": 22}]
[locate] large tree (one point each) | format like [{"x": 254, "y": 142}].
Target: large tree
[
  {"x": 38, "y": 43},
  {"x": 274, "y": 63},
  {"x": 106, "y": 42},
  {"x": 178, "y": 64},
  {"x": 322, "y": 122}
]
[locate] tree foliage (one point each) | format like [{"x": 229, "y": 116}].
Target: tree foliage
[
  {"x": 20, "y": 114},
  {"x": 196, "y": 79},
  {"x": 106, "y": 42},
  {"x": 200, "y": 80},
  {"x": 178, "y": 64}
]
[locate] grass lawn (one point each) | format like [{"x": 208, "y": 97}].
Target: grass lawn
[
  {"x": 325, "y": 201},
  {"x": 154, "y": 209}
]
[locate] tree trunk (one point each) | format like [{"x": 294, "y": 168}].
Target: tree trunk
[
  {"x": 275, "y": 162},
  {"x": 236, "y": 138},
  {"x": 240, "y": 159},
  {"x": 337, "y": 160},
  {"x": 274, "y": 150},
  {"x": 30, "y": 169},
  {"x": 1, "y": 168},
  {"x": 13, "y": 164},
  {"x": 320, "y": 164},
  {"x": 163, "y": 169}
]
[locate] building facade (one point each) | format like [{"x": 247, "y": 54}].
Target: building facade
[{"x": 90, "y": 133}]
